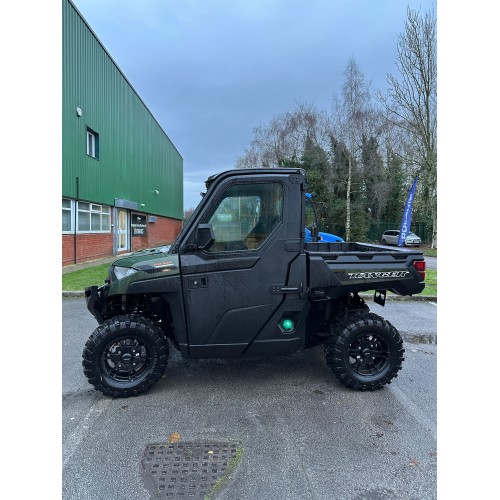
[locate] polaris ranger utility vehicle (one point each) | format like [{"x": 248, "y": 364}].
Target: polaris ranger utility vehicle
[{"x": 241, "y": 281}]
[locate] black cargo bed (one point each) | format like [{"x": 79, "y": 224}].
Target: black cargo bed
[{"x": 337, "y": 268}]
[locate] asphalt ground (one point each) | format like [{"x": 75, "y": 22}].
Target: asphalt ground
[{"x": 303, "y": 435}]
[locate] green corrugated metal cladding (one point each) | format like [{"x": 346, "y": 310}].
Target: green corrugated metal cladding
[{"x": 135, "y": 156}]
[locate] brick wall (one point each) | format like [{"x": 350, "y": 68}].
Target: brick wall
[
  {"x": 88, "y": 247},
  {"x": 162, "y": 232},
  {"x": 95, "y": 246}
]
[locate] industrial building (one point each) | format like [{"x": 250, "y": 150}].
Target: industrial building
[{"x": 122, "y": 177}]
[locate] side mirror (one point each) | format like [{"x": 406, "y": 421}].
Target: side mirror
[{"x": 205, "y": 237}]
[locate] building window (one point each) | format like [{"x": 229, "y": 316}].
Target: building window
[
  {"x": 67, "y": 216},
  {"x": 93, "y": 218},
  {"x": 92, "y": 143}
]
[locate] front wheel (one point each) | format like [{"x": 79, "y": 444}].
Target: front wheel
[
  {"x": 125, "y": 356},
  {"x": 364, "y": 351}
]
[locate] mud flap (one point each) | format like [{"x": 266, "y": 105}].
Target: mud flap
[
  {"x": 92, "y": 299},
  {"x": 379, "y": 297}
]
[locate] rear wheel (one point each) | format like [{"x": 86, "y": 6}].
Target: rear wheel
[
  {"x": 364, "y": 351},
  {"x": 125, "y": 356},
  {"x": 384, "y": 242}
]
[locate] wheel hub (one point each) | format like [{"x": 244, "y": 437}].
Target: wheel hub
[
  {"x": 367, "y": 353},
  {"x": 126, "y": 358}
]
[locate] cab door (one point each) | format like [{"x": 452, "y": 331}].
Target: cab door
[{"x": 233, "y": 288}]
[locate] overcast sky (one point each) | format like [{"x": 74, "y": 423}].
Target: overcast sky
[{"x": 212, "y": 70}]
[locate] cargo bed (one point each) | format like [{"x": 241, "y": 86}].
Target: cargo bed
[{"x": 361, "y": 267}]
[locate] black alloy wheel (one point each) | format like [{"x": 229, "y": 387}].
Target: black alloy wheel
[
  {"x": 364, "y": 351},
  {"x": 126, "y": 359},
  {"x": 125, "y": 356},
  {"x": 368, "y": 354}
]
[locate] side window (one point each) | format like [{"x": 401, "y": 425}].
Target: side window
[
  {"x": 310, "y": 214},
  {"x": 245, "y": 216}
]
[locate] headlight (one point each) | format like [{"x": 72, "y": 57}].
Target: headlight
[{"x": 121, "y": 272}]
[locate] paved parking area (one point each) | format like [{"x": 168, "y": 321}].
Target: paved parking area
[{"x": 303, "y": 435}]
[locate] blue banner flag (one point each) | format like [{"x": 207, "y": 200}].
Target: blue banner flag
[{"x": 406, "y": 220}]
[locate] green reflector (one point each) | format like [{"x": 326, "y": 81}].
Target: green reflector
[{"x": 287, "y": 324}]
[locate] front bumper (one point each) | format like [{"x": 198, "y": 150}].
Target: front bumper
[{"x": 95, "y": 298}]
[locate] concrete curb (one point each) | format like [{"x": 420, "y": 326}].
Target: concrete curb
[
  {"x": 366, "y": 296},
  {"x": 73, "y": 294},
  {"x": 403, "y": 298}
]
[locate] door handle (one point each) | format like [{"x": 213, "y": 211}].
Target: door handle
[
  {"x": 198, "y": 282},
  {"x": 281, "y": 289}
]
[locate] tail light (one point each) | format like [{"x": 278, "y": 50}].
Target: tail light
[{"x": 419, "y": 265}]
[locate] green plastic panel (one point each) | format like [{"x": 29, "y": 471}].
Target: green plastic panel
[{"x": 137, "y": 161}]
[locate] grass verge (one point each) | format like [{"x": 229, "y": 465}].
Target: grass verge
[
  {"x": 430, "y": 252},
  {"x": 78, "y": 280},
  {"x": 430, "y": 283}
]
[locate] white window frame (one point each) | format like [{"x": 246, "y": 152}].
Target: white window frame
[
  {"x": 70, "y": 209},
  {"x": 92, "y": 143},
  {"x": 93, "y": 209}
]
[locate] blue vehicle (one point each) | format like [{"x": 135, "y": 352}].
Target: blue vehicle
[
  {"x": 311, "y": 229},
  {"x": 323, "y": 237}
]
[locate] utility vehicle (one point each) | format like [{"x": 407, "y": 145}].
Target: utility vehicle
[{"x": 241, "y": 281}]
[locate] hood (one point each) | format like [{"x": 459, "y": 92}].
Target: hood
[
  {"x": 143, "y": 265},
  {"x": 145, "y": 257},
  {"x": 140, "y": 266}
]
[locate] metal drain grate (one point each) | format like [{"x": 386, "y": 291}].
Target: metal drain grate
[{"x": 185, "y": 470}]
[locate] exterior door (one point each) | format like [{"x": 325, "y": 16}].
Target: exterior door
[
  {"x": 122, "y": 231},
  {"x": 232, "y": 290}
]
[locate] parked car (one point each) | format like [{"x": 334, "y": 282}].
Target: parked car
[{"x": 391, "y": 238}]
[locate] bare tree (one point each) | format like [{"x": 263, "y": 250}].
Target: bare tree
[
  {"x": 352, "y": 118},
  {"x": 284, "y": 138},
  {"x": 188, "y": 213},
  {"x": 412, "y": 101}
]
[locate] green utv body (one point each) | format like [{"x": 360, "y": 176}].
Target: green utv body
[{"x": 241, "y": 281}]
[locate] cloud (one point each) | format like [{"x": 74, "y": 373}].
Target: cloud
[{"x": 211, "y": 71}]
